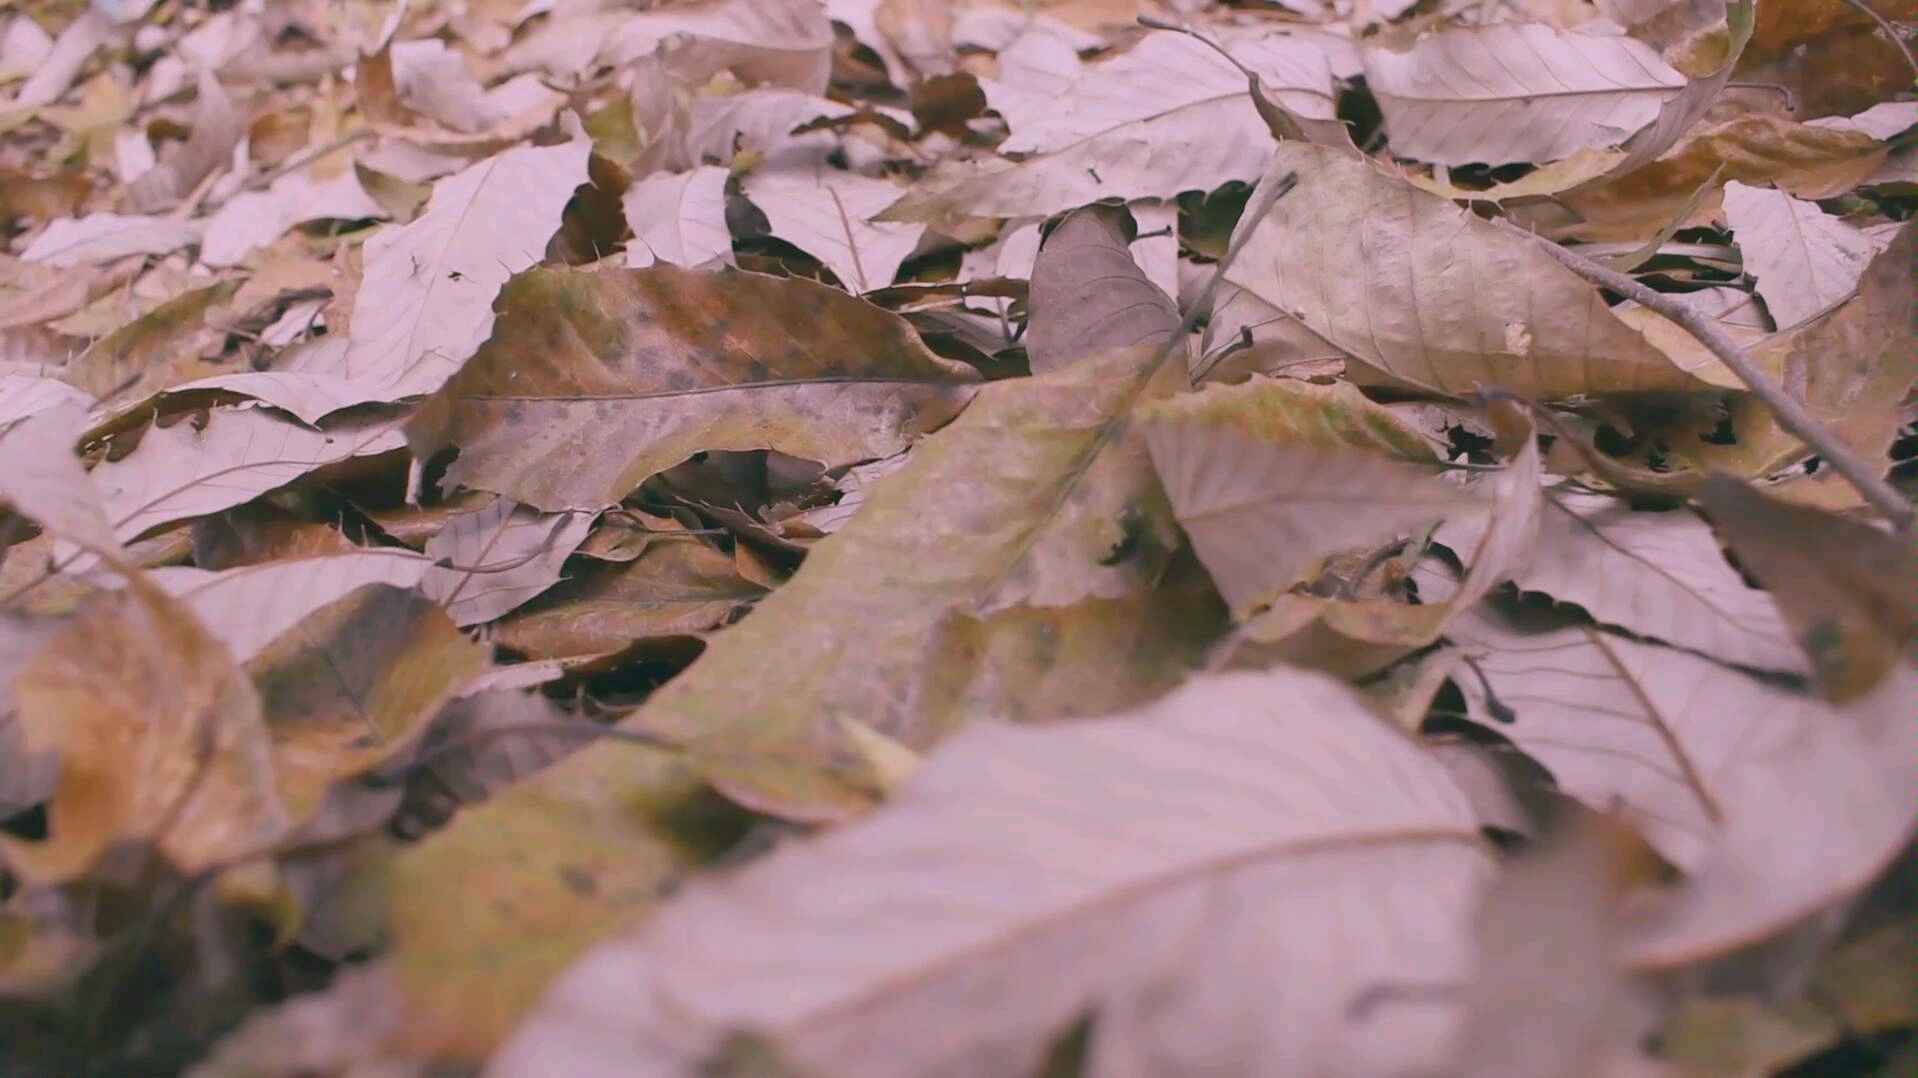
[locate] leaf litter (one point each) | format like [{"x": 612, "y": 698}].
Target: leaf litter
[{"x": 913, "y": 537}]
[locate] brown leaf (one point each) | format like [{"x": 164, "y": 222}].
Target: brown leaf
[
  {"x": 1089, "y": 293},
  {"x": 41, "y": 197},
  {"x": 160, "y": 739},
  {"x": 354, "y": 684},
  {"x": 149, "y": 353},
  {"x": 1856, "y": 614},
  {"x": 677, "y": 587},
  {"x": 1430, "y": 294},
  {"x": 594, "y": 381}
]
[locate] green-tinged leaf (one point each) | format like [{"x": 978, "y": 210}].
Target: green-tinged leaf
[
  {"x": 488, "y": 910},
  {"x": 1298, "y": 864},
  {"x": 1269, "y": 477},
  {"x": 1358, "y": 637},
  {"x": 594, "y": 380},
  {"x": 1067, "y": 514}
]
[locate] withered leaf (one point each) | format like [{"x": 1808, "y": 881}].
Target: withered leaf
[{"x": 594, "y": 381}]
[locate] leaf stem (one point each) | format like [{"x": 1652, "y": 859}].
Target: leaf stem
[{"x": 1791, "y": 413}]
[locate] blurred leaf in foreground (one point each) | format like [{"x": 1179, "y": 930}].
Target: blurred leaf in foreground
[{"x": 1053, "y": 893}]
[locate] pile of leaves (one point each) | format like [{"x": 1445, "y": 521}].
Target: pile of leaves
[{"x": 913, "y": 537}]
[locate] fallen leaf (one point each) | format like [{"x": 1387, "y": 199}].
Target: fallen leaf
[
  {"x": 1547, "y": 959},
  {"x": 250, "y": 606},
  {"x": 596, "y": 380},
  {"x": 217, "y": 127},
  {"x": 1088, "y": 293},
  {"x": 1435, "y": 296},
  {"x": 729, "y": 955},
  {"x": 142, "y": 357},
  {"x": 180, "y": 472},
  {"x": 1655, "y": 574},
  {"x": 916, "y": 578},
  {"x": 495, "y": 559},
  {"x": 99, "y": 238},
  {"x": 426, "y": 303},
  {"x": 1856, "y": 615},
  {"x": 1711, "y": 788},
  {"x": 1167, "y": 116},
  {"x": 160, "y": 738},
  {"x": 678, "y": 218},
  {"x": 827, "y": 214},
  {"x": 1806, "y": 260},
  {"x": 1516, "y": 92},
  {"x": 1356, "y": 637},
  {"x": 778, "y": 42},
  {"x": 677, "y": 587},
  {"x": 255, "y": 219},
  {"x": 1268, "y": 478}
]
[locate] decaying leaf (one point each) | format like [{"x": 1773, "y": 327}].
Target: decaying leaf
[
  {"x": 1516, "y": 92},
  {"x": 1806, "y": 260},
  {"x": 1268, "y": 478},
  {"x": 596, "y": 380},
  {"x": 160, "y": 739},
  {"x": 833, "y": 949},
  {"x": 1430, "y": 294}
]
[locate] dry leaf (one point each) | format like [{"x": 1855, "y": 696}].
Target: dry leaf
[
  {"x": 249, "y": 606},
  {"x": 1431, "y": 294},
  {"x": 160, "y": 738},
  {"x": 1516, "y": 92},
  {"x": 426, "y": 303},
  {"x": 679, "y": 587},
  {"x": 180, "y": 472},
  {"x": 1088, "y": 293},
  {"x": 99, "y": 238},
  {"x": 495, "y": 559},
  {"x": 1655, "y": 574},
  {"x": 1806, "y": 260},
  {"x": 827, "y": 214},
  {"x": 596, "y": 380},
  {"x": 866, "y": 952},
  {"x": 1269, "y": 478},
  {"x": 678, "y": 218},
  {"x": 1168, "y": 116},
  {"x": 1713, "y": 788}
]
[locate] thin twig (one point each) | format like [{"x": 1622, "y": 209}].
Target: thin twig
[
  {"x": 1790, "y": 412},
  {"x": 299, "y": 160},
  {"x": 1890, "y": 31}
]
